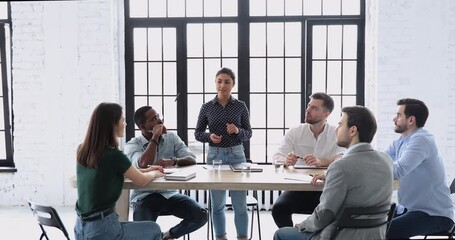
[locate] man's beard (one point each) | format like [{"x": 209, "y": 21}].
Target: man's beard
[
  {"x": 400, "y": 129},
  {"x": 341, "y": 143},
  {"x": 312, "y": 121}
]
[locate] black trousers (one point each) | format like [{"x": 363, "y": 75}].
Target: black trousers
[{"x": 290, "y": 202}]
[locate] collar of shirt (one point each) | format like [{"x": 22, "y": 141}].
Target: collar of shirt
[
  {"x": 418, "y": 130},
  {"x": 215, "y": 100},
  {"x": 354, "y": 146},
  {"x": 326, "y": 127}
]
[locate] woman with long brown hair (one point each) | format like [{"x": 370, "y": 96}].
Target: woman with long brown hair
[{"x": 101, "y": 169}]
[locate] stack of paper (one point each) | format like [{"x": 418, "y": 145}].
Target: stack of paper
[{"x": 180, "y": 175}]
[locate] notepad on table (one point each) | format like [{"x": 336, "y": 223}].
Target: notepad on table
[{"x": 300, "y": 164}]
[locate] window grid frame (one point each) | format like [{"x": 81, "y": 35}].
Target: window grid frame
[
  {"x": 7, "y": 164},
  {"x": 243, "y": 21}
]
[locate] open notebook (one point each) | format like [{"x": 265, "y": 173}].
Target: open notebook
[{"x": 180, "y": 175}]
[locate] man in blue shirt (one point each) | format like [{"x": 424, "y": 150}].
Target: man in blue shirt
[
  {"x": 157, "y": 147},
  {"x": 424, "y": 200}
]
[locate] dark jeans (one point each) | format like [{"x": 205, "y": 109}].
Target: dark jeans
[
  {"x": 416, "y": 223},
  {"x": 293, "y": 202},
  {"x": 179, "y": 205}
]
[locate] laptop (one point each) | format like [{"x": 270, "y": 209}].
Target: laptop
[
  {"x": 239, "y": 167},
  {"x": 180, "y": 175}
]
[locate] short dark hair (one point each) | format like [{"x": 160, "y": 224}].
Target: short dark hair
[
  {"x": 326, "y": 99},
  {"x": 416, "y": 108},
  {"x": 363, "y": 119},
  {"x": 139, "y": 115},
  {"x": 227, "y": 71}
]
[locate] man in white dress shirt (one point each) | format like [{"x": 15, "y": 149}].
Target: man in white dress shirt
[{"x": 314, "y": 143}]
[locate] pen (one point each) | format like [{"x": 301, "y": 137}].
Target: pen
[{"x": 295, "y": 179}]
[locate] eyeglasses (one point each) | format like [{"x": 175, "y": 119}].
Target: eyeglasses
[
  {"x": 399, "y": 115},
  {"x": 156, "y": 117}
]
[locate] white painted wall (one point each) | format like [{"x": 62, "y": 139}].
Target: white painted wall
[{"x": 68, "y": 57}]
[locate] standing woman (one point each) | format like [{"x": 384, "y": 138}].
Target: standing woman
[
  {"x": 101, "y": 169},
  {"x": 229, "y": 125}
]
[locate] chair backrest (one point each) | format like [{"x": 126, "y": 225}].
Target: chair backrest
[
  {"x": 47, "y": 216},
  {"x": 452, "y": 187},
  {"x": 366, "y": 217}
]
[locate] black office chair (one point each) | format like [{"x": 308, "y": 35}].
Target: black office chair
[
  {"x": 47, "y": 216},
  {"x": 350, "y": 217},
  {"x": 251, "y": 201},
  {"x": 449, "y": 234}
]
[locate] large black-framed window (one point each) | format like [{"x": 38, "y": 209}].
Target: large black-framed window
[
  {"x": 281, "y": 50},
  {"x": 6, "y": 146}
]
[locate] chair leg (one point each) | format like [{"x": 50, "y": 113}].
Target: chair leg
[
  {"x": 44, "y": 234},
  {"x": 255, "y": 208},
  {"x": 252, "y": 225},
  {"x": 259, "y": 223},
  {"x": 210, "y": 220}
]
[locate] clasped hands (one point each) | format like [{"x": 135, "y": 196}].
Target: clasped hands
[
  {"x": 158, "y": 170},
  {"x": 165, "y": 163},
  {"x": 309, "y": 159}
]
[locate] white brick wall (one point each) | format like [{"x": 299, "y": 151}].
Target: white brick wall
[
  {"x": 63, "y": 66},
  {"x": 66, "y": 58},
  {"x": 415, "y": 58}
]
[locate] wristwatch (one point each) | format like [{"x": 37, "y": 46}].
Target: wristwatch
[{"x": 176, "y": 162}]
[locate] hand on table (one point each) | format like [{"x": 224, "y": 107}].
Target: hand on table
[
  {"x": 151, "y": 168},
  {"x": 291, "y": 159},
  {"x": 316, "y": 177},
  {"x": 311, "y": 160},
  {"x": 165, "y": 163}
]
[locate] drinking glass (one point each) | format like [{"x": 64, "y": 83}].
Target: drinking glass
[
  {"x": 278, "y": 163},
  {"x": 216, "y": 165}
]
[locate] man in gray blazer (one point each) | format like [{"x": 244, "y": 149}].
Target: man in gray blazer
[{"x": 363, "y": 177}]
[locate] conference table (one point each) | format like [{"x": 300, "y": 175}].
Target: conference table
[{"x": 270, "y": 178}]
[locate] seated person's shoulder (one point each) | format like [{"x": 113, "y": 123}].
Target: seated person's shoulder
[
  {"x": 171, "y": 136},
  {"x": 134, "y": 140},
  {"x": 422, "y": 138}
]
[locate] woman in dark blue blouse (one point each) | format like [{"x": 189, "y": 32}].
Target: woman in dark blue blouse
[{"x": 229, "y": 125}]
